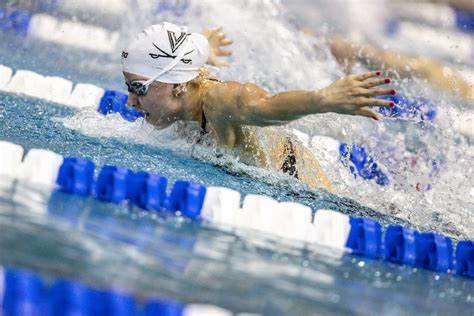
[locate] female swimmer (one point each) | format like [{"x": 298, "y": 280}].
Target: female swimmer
[{"x": 164, "y": 73}]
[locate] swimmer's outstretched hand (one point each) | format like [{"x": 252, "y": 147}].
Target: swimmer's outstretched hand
[
  {"x": 353, "y": 94},
  {"x": 217, "y": 40}
]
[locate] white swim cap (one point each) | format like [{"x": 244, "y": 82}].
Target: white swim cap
[{"x": 166, "y": 53}]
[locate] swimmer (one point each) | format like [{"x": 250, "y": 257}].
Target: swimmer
[{"x": 164, "y": 73}]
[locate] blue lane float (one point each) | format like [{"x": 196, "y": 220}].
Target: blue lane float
[
  {"x": 111, "y": 185},
  {"x": 147, "y": 190},
  {"x": 71, "y": 298},
  {"x": 434, "y": 252},
  {"x": 365, "y": 237},
  {"x": 119, "y": 185},
  {"x": 186, "y": 197},
  {"x": 76, "y": 176},
  {"x": 17, "y": 21},
  {"x": 116, "y": 102},
  {"x": 163, "y": 307},
  {"x": 400, "y": 245},
  {"x": 25, "y": 293},
  {"x": 465, "y": 258}
]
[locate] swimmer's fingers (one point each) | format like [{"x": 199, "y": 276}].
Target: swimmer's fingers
[
  {"x": 367, "y": 113},
  {"x": 215, "y": 29},
  {"x": 211, "y": 32},
  {"x": 375, "y": 102},
  {"x": 226, "y": 41},
  {"x": 366, "y": 75},
  {"x": 216, "y": 37},
  {"x": 375, "y": 82},
  {"x": 223, "y": 52},
  {"x": 221, "y": 63},
  {"x": 377, "y": 91}
]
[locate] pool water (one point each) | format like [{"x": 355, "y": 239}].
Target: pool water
[{"x": 244, "y": 271}]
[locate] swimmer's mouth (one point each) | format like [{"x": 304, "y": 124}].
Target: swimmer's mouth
[{"x": 147, "y": 116}]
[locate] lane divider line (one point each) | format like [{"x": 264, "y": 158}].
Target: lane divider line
[
  {"x": 362, "y": 236},
  {"x": 63, "y": 91}
]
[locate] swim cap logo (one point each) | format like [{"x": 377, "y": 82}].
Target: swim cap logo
[
  {"x": 124, "y": 54},
  {"x": 175, "y": 43}
]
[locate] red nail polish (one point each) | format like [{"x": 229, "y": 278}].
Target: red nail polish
[
  {"x": 387, "y": 80},
  {"x": 391, "y": 104},
  {"x": 375, "y": 118},
  {"x": 393, "y": 92},
  {"x": 378, "y": 73}
]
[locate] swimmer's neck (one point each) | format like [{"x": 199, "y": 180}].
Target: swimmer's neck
[{"x": 192, "y": 101}]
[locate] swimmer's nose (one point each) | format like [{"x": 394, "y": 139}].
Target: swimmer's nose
[{"x": 132, "y": 100}]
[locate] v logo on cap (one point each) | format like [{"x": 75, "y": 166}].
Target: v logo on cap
[{"x": 175, "y": 43}]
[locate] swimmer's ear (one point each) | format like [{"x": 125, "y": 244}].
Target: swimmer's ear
[{"x": 179, "y": 90}]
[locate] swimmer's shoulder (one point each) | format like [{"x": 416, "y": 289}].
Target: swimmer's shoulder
[{"x": 234, "y": 92}]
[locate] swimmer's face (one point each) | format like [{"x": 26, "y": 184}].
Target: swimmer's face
[{"x": 161, "y": 108}]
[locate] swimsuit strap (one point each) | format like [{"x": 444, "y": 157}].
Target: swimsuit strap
[{"x": 204, "y": 131}]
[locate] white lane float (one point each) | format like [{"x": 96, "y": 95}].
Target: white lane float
[
  {"x": 258, "y": 212},
  {"x": 5, "y": 76},
  {"x": 220, "y": 205},
  {"x": 75, "y": 34},
  {"x": 10, "y": 158},
  {"x": 330, "y": 229},
  {"x": 40, "y": 166}
]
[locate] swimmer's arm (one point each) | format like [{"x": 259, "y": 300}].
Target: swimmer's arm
[
  {"x": 405, "y": 65},
  {"x": 254, "y": 106}
]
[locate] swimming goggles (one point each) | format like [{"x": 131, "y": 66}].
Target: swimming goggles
[{"x": 140, "y": 87}]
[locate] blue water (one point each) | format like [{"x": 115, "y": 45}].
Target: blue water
[{"x": 59, "y": 235}]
